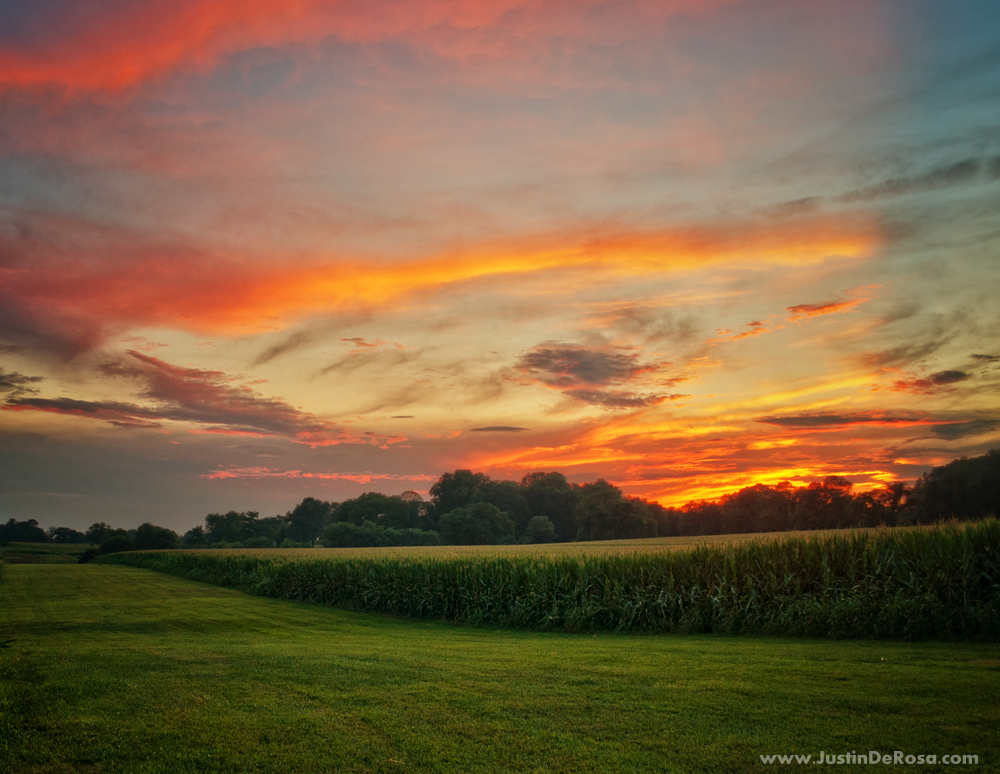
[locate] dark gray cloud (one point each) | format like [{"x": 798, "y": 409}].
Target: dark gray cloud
[
  {"x": 987, "y": 358},
  {"x": 613, "y": 399},
  {"x": 210, "y": 399},
  {"x": 498, "y": 429},
  {"x": 586, "y": 373},
  {"x": 932, "y": 382},
  {"x": 956, "y": 430},
  {"x": 114, "y": 412},
  {"x": 906, "y": 353},
  {"x": 948, "y": 377},
  {"x": 44, "y": 332},
  {"x": 964, "y": 171},
  {"x": 17, "y": 384},
  {"x": 859, "y": 418},
  {"x": 402, "y": 416},
  {"x": 570, "y": 366}
]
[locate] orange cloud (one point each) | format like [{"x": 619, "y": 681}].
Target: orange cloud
[
  {"x": 817, "y": 310},
  {"x": 113, "y": 278},
  {"x": 358, "y": 478}
]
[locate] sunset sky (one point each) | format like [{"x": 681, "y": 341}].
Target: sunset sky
[{"x": 258, "y": 250}]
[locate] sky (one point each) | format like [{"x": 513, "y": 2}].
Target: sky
[{"x": 258, "y": 250}]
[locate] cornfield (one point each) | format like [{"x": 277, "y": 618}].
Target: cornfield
[{"x": 942, "y": 582}]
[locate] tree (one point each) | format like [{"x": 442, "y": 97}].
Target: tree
[
  {"x": 96, "y": 533},
  {"x": 478, "y": 524},
  {"x": 383, "y": 510},
  {"x": 825, "y": 504},
  {"x": 455, "y": 490},
  {"x": 597, "y": 511},
  {"x": 758, "y": 508},
  {"x": 508, "y": 497},
  {"x": 963, "y": 489},
  {"x": 344, "y": 534},
  {"x": 274, "y": 528},
  {"x": 116, "y": 543},
  {"x": 195, "y": 537},
  {"x": 551, "y": 495},
  {"x": 306, "y": 521},
  {"x": 15, "y": 531},
  {"x": 540, "y": 530},
  {"x": 701, "y": 517},
  {"x": 229, "y": 527},
  {"x": 149, "y": 537},
  {"x": 65, "y": 535}
]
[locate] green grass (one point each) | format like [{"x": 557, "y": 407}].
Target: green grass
[
  {"x": 116, "y": 669},
  {"x": 41, "y": 553}
]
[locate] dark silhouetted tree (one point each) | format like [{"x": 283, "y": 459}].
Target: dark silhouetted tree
[
  {"x": 825, "y": 504},
  {"x": 508, "y": 497},
  {"x": 478, "y": 524},
  {"x": 96, "y": 533},
  {"x": 65, "y": 535},
  {"x": 15, "y": 531},
  {"x": 551, "y": 495},
  {"x": 381, "y": 510},
  {"x": 455, "y": 490},
  {"x": 966, "y": 488},
  {"x": 149, "y": 537},
  {"x": 307, "y": 519},
  {"x": 540, "y": 530}
]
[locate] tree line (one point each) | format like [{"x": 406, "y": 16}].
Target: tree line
[{"x": 467, "y": 508}]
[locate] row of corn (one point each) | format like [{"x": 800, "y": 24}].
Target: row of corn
[{"x": 942, "y": 582}]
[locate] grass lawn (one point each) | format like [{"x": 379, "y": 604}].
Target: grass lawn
[{"x": 115, "y": 669}]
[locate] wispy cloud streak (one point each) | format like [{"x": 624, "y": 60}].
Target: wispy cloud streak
[{"x": 208, "y": 400}]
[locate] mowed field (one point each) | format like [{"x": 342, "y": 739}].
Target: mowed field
[{"x": 116, "y": 669}]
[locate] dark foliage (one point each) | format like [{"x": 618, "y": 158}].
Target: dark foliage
[
  {"x": 552, "y": 496},
  {"x": 478, "y": 524},
  {"x": 307, "y": 519},
  {"x": 117, "y": 543},
  {"x": 65, "y": 535},
  {"x": 87, "y": 555},
  {"x": 343, "y": 534},
  {"x": 149, "y": 537},
  {"x": 15, "y": 531},
  {"x": 390, "y": 512},
  {"x": 963, "y": 489}
]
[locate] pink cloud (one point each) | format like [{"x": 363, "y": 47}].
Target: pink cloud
[{"x": 95, "y": 48}]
